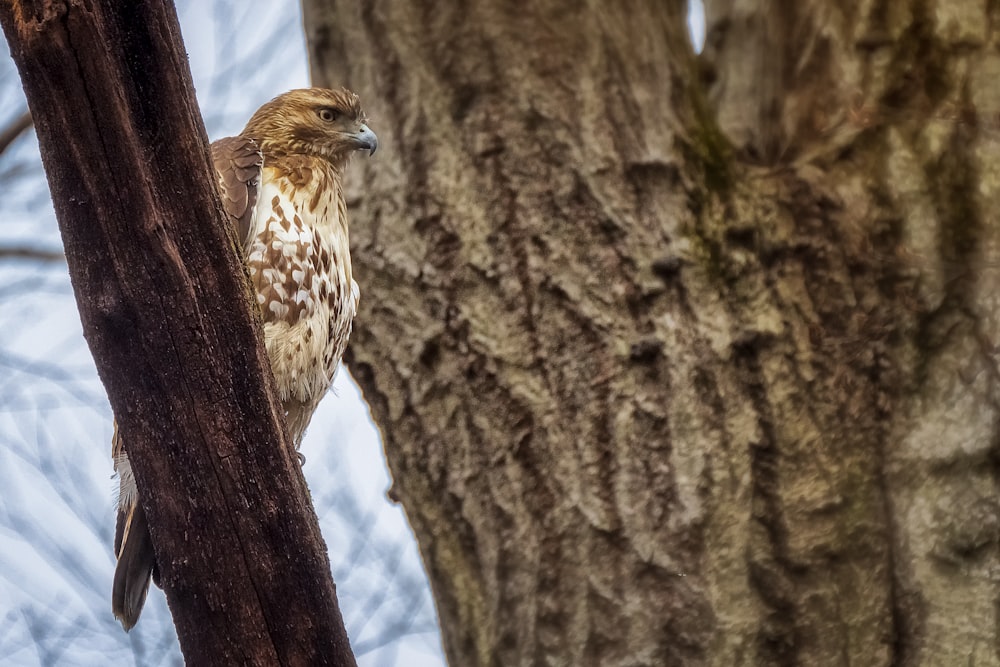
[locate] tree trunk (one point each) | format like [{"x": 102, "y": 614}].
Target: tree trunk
[
  {"x": 680, "y": 360},
  {"x": 169, "y": 318}
]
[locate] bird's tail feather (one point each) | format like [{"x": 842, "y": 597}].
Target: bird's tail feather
[{"x": 136, "y": 563}]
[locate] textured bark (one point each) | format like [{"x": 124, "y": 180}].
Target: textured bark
[
  {"x": 685, "y": 360},
  {"x": 168, "y": 316}
]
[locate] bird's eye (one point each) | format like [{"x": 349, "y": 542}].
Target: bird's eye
[{"x": 327, "y": 115}]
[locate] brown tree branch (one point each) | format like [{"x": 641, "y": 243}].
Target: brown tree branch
[
  {"x": 166, "y": 311},
  {"x": 28, "y": 252},
  {"x": 16, "y": 127}
]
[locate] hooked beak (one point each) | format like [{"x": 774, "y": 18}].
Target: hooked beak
[{"x": 366, "y": 139}]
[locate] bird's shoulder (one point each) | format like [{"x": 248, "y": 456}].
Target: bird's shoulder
[{"x": 238, "y": 164}]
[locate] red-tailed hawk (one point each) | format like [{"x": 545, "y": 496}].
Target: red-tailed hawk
[{"x": 280, "y": 181}]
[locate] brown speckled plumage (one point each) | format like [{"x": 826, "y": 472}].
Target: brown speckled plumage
[{"x": 281, "y": 184}]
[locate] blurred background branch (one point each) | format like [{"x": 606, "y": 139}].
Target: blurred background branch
[
  {"x": 13, "y": 130},
  {"x": 26, "y": 252}
]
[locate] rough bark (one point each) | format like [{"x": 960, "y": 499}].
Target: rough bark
[
  {"x": 685, "y": 360},
  {"x": 168, "y": 316}
]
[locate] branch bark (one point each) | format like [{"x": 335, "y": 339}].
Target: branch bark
[{"x": 167, "y": 313}]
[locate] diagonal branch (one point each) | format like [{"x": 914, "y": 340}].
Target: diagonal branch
[
  {"x": 15, "y": 129},
  {"x": 167, "y": 313}
]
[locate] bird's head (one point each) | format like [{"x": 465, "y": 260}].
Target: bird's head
[{"x": 312, "y": 121}]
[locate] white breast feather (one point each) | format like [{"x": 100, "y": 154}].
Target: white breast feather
[{"x": 305, "y": 354}]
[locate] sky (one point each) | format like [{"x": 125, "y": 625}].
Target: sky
[{"x": 56, "y": 489}]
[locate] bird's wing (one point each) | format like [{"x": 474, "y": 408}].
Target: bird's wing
[{"x": 238, "y": 165}]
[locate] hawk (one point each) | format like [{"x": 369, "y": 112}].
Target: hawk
[{"x": 281, "y": 185}]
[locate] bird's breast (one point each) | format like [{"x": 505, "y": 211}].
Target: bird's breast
[{"x": 299, "y": 262}]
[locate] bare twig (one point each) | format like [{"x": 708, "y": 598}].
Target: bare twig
[
  {"x": 14, "y": 130},
  {"x": 26, "y": 252}
]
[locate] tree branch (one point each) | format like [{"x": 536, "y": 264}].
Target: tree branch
[
  {"x": 27, "y": 252},
  {"x": 16, "y": 127},
  {"x": 166, "y": 310}
]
